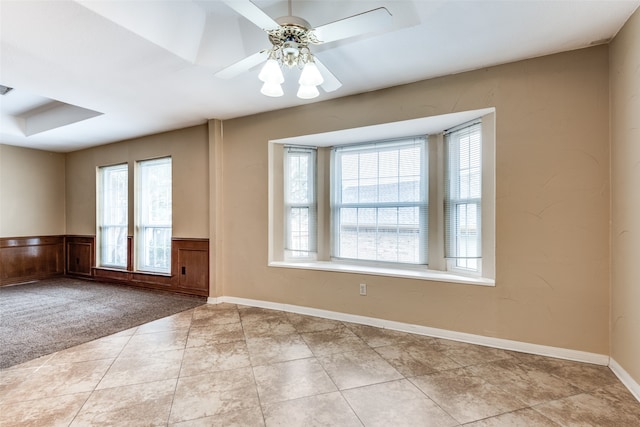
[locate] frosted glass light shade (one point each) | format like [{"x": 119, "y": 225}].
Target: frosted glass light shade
[
  {"x": 272, "y": 89},
  {"x": 307, "y": 92},
  {"x": 271, "y": 72},
  {"x": 310, "y": 75}
]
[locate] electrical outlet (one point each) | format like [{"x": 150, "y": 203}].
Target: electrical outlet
[{"x": 363, "y": 289}]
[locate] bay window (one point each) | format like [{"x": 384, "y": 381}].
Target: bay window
[{"x": 415, "y": 206}]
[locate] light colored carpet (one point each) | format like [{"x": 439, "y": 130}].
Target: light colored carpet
[{"x": 50, "y": 315}]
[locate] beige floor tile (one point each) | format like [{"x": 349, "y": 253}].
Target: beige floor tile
[
  {"x": 220, "y": 306},
  {"x": 11, "y": 378},
  {"x": 465, "y": 397},
  {"x": 396, "y": 403},
  {"x": 220, "y": 357},
  {"x": 521, "y": 418},
  {"x": 103, "y": 348},
  {"x": 618, "y": 392},
  {"x": 210, "y": 315},
  {"x": 154, "y": 342},
  {"x": 334, "y": 341},
  {"x": 416, "y": 358},
  {"x": 527, "y": 384},
  {"x": 322, "y": 410},
  {"x": 469, "y": 354},
  {"x": 145, "y": 404},
  {"x": 57, "y": 380},
  {"x": 268, "y": 327},
  {"x": 257, "y": 314},
  {"x": 213, "y": 394},
  {"x": 356, "y": 369},
  {"x": 277, "y": 348},
  {"x": 219, "y": 334},
  {"x": 290, "y": 364},
  {"x": 541, "y": 362},
  {"x": 592, "y": 409},
  {"x": 162, "y": 365},
  {"x": 585, "y": 376},
  {"x": 169, "y": 323},
  {"x": 377, "y": 337},
  {"x": 50, "y": 412},
  {"x": 304, "y": 323},
  {"x": 241, "y": 418},
  {"x": 291, "y": 380},
  {"x": 35, "y": 363}
]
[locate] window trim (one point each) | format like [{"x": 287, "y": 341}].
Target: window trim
[
  {"x": 100, "y": 225},
  {"x": 434, "y": 127},
  {"x": 450, "y": 241},
  {"x": 312, "y": 205}
]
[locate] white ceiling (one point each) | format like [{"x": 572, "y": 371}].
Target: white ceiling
[{"x": 87, "y": 73}]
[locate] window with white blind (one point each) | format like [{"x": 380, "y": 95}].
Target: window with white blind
[
  {"x": 463, "y": 197},
  {"x": 113, "y": 215},
  {"x": 379, "y": 207},
  {"x": 418, "y": 207},
  {"x": 300, "y": 202},
  {"x": 153, "y": 228}
]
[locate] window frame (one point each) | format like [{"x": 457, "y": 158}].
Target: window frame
[
  {"x": 102, "y": 228},
  {"x": 337, "y": 204},
  {"x": 453, "y": 199},
  {"x": 297, "y": 254},
  {"x": 143, "y": 226}
]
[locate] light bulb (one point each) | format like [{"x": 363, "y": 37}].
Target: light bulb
[
  {"x": 272, "y": 89},
  {"x": 271, "y": 72},
  {"x": 310, "y": 75},
  {"x": 307, "y": 92}
]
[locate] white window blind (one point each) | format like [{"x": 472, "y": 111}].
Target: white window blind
[
  {"x": 113, "y": 215},
  {"x": 300, "y": 201},
  {"x": 379, "y": 201},
  {"x": 463, "y": 196},
  {"x": 154, "y": 215}
]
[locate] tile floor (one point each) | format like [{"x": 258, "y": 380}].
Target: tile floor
[{"x": 222, "y": 365}]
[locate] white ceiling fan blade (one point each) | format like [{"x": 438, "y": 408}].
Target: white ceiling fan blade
[
  {"x": 253, "y": 13},
  {"x": 331, "y": 82},
  {"x": 355, "y": 25},
  {"x": 242, "y": 66}
]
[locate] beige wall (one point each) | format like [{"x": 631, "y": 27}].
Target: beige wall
[
  {"x": 625, "y": 197},
  {"x": 188, "y": 149},
  {"x": 31, "y": 192},
  {"x": 552, "y": 207}
]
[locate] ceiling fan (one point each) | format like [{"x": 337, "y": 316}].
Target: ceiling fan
[{"x": 290, "y": 38}]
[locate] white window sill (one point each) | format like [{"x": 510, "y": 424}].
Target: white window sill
[{"x": 437, "y": 276}]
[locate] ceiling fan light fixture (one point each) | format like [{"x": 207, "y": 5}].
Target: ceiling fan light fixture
[
  {"x": 310, "y": 75},
  {"x": 308, "y": 92},
  {"x": 271, "y": 72},
  {"x": 272, "y": 89}
]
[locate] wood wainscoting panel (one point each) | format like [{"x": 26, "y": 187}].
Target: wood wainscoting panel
[
  {"x": 23, "y": 259},
  {"x": 80, "y": 255},
  {"x": 190, "y": 263}
]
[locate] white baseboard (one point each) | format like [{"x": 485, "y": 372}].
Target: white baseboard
[
  {"x": 625, "y": 378},
  {"x": 504, "y": 344}
]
